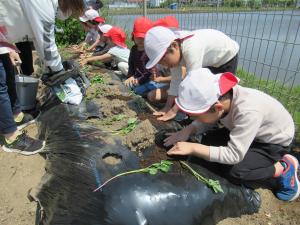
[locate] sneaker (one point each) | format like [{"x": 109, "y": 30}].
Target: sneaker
[
  {"x": 26, "y": 120},
  {"x": 118, "y": 72},
  {"x": 24, "y": 145},
  {"x": 289, "y": 180}
]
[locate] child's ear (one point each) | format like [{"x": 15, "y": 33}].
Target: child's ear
[
  {"x": 218, "y": 106},
  {"x": 175, "y": 45}
]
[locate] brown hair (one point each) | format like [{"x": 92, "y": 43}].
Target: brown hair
[{"x": 76, "y": 6}]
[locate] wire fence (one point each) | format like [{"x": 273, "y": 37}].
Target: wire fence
[{"x": 267, "y": 31}]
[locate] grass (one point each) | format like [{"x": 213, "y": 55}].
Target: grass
[{"x": 288, "y": 96}]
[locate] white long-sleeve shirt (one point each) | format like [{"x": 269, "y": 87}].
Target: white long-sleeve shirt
[
  {"x": 23, "y": 20},
  {"x": 253, "y": 116},
  {"x": 207, "y": 47}
]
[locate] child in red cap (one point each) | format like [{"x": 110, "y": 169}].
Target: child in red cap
[
  {"x": 252, "y": 148},
  {"x": 139, "y": 77},
  {"x": 167, "y": 21},
  {"x": 118, "y": 51}
]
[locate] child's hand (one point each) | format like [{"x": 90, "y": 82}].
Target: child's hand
[
  {"x": 155, "y": 76},
  {"x": 182, "y": 135},
  {"x": 83, "y": 62},
  {"x": 162, "y": 112},
  {"x": 182, "y": 148},
  {"x": 131, "y": 82},
  {"x": 168, "y": 116}
]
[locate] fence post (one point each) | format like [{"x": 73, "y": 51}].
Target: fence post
[{"x": 145, "y": 8}]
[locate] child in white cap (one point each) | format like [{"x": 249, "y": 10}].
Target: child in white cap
[
  {"x": 201, "y": 48},
  {"x": 115, "y": 39},
  {"x": 90, "y": 21},
  {"x": 260, "y": 131}
]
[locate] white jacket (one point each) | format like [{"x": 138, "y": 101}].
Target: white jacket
[{"x": 34, "y": 20}]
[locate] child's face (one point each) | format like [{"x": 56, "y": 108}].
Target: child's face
[
  {"x": 92, "y": 24},
  {"x": 109, "y": 42},
  {"x": 211, "y": 117},
  {"x": 103, "y": 39},
  {"x": 139, "y": 42},
  {"x": 85, "y": 26},
  {"x": 172, "y": 56}
]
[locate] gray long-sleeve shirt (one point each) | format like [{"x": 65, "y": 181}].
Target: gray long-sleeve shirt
[{"x": 253, "y": 116}]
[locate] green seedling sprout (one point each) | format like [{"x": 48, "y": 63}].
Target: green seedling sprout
[
  {"x": 95, "y": 95},
  {"x": 98, "y": 79},
  {"x": 163, "y": 166},
  {"x": 85, "y": 69},
  {"x": 114, "y": 119},
  {"x": 213, "y": 184},
  {"x": 131, "y": 124}
]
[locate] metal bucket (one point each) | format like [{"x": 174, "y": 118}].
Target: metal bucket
[{"x": 27, "y": 90}]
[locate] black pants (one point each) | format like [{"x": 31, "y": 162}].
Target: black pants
[
  {"x": 26, "y": 57},
  {"x": 257, "y": 167},
  {"x": 230, "y": 66}
]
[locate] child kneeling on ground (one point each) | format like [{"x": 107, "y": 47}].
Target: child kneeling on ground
[
  {"x": 118, "y": 51},
  {"x": 204, "y": 48},
  {"x": 260, "y": 132},
  {"x": 142, "y": 81}
]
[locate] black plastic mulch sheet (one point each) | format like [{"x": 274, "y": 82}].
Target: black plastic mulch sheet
[{"x": 75, "y": 167}]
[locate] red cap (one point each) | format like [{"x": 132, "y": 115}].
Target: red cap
[
  {"x": 117, "y": 36},
  {"x": 226, "y": 82},
  {"x": 141, "y": 26},
  {"x": 168, "y": 21},
  {"x": 99, "y": 19}
]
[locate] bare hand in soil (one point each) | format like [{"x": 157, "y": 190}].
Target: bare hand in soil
[
  {"x": 161, "y": 112},
  {"x": 168, "y": 116},
  {"x": 182, "y": 148},
  {"x": 83, "y": 62},
  {"x": 173, "y": 138}
]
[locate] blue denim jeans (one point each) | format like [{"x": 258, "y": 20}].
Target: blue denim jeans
[
  {"x": 147, "y": 87},
  {"x": 7, "y": 83}
]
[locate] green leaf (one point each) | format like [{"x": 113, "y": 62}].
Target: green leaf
[
  {"x": 132, "y": 120},
  {"x": 167, "y": 162},
  {"x": 155, "y": 165},
  {"x": 165, "y": 169},
  {"x": 213, "y": 184},
  {"x": 153, "y": 171},
  {"x": 98, "y": 79}
]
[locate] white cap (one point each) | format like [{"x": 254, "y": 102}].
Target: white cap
[
  {"x": 90, "y": 14},
  {"x": 157, "y": 41},
  {"x": 104, "y": 28},
  {"x": 201, "y": 89}
]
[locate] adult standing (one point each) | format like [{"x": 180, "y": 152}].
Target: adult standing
[
  {"x": 24, "y": 20},
  {"x": 34, "y": 20}
]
